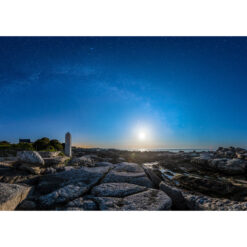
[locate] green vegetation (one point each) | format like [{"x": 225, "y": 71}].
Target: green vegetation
[{"x": 43, "y": 144}]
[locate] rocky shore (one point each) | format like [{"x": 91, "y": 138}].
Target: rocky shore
[{"x": 101, "y": 179}]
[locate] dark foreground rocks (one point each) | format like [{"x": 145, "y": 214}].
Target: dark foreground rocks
[
  {"x": 102, "y": 180},
  {"x": 185, "y": 200},
  {"x": 124, "y": 186},
  {"x": 11, "y": 195}
]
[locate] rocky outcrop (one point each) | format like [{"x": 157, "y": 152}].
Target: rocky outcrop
[
  {"x": 54, "y": 161},
  {"x": 224, "y": 165},
  {"x": 64, "y": 194},
  {"x": 202, "y": 202},
  {"x": 214, "y": 180},
  {"x": 11, "y": 195},
  {"x": 128, "y": 173},
  {"x": 81, "y": 204},
  {"x": 30, "y": 157},
  {"x": 149, "y": 199},
  {"x": 152, "y": 174},
  {"x": 178, "y": 200},
  {"x": 65, "y": 186},
  {"x": 82, "y": 161},
  {"x": 116, "y": 189},
  {"x": 88, "y": 188},
  {"x": 31, "y": 168},
  {"x": 46, "y": 154}
]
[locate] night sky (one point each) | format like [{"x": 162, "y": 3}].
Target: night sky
[{"x": 181, "y": 92}]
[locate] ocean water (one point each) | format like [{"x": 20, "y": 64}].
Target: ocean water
[{"x": 175, "y": 150}]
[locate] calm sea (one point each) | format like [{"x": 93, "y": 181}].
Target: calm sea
[{"x": 170, "y": 149}]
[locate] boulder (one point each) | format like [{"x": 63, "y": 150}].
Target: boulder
[
  {"x": 148, "y": 200},
  {"x": 11, "y": 195},
  {"x": 153, "y": 176},
  {"x": 82, "y": 161},
  {"x": 139, "y": 178},
  {"x": 202, "y": 160},
  {"x": 63, "y": 194},
  {"x": 175, "y": 194},
  {"x": 128, "y": 173},
  {"x": 31, "y": 157},
  {"x": 228, "y": 166}
]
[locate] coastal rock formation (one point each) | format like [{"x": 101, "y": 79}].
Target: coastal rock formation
[
  {"x": 32, "y": 168},
  {"x": 83, "y": 175},
  {"x": 86, "y": 161},
  {"x": 53, "y": 161},
  {"x": 149, "y": 199},
  {"x": 30, "y": 157},
  {"x": 178, "y": 200},
  {"x": 47, "y": 154},
  {"x": 224, "y": 165},
  {"x": 116, "y": 189},
  {"x": 206, "y": 180},
  {"x": 11, "y": 195},
  {"x": 128, "y": 173},
  {"x": 88, "y": 188}
]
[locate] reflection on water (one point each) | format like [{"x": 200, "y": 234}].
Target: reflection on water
[{"x": 174, "y": 150}]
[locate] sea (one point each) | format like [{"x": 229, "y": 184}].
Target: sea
[{"x": 175, "y": 150}]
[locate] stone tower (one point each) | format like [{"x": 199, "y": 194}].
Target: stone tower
[{"x": 68, "y": 151}]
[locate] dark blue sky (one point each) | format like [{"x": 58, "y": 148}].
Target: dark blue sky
[{"x": 107, "y": 91}]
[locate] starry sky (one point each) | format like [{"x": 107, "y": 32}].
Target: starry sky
[{"x": 181, "y": 92}]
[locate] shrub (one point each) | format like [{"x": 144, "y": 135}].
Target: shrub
[
  {"x": 56, "y": 144},
  {"x": 4, "y": 143},
  {"x": 50, "y": 149},
  {"x": 25, "y": 146},
  {"x": 41, "y": 144}
]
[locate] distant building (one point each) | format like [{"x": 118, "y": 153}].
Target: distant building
[{"x": 24, "y": 141}]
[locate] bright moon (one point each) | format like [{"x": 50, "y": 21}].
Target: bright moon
[{"x": 142, "y": 136}]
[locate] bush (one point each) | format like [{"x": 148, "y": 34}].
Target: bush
[
  {"x": 4, "y": 143},
  {"x": 50, "y": 149},
  {"x": 23, "y": 146},
  {"x": 41, "y": 144},
  {"x": 56, "y": 144}
]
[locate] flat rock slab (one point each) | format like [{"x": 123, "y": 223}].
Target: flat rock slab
[
  {"x": 128, "y": 173},
  {"x": 116, "y": 189},
  {"x": 128, "y": 167},
  {"x": 148, "y": 200},
  {"x": 67, "y": 193},
  {"x": 84, "y": 175},
  {"x": 11, "y": 195}
]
